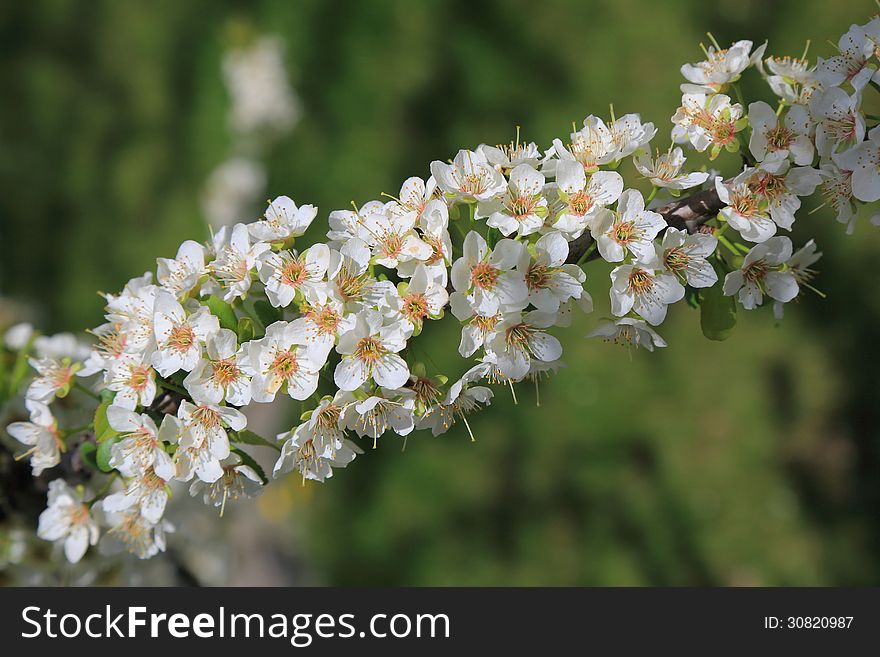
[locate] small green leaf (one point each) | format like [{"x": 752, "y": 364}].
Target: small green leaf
[
  {"x": 248, "y": 460},
  {"x": 103, "y": 430},
  {"x": 223, "y": 311},
  {"x": 102, "y": 456},
  {"x": 88, "y": 452},
  {"x": 717, "y": 313},
  {"x": 245, "y": 329},
  {"x": 250, "y": 438}
]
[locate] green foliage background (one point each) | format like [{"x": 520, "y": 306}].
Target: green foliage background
[{"x": 754, "y": 461}]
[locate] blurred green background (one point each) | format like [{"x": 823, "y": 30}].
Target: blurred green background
[{"x": 754, "y": 461}]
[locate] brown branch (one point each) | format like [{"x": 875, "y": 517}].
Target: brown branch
[{"x": 688, "y": 214}]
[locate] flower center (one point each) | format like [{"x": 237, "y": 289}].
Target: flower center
[
  {"x": 756, "y": 271},
  {"x": 425, "y": 389},
  {"x": 78, "y": 514},
  {"x": 838, "y": 189},
  {"x": 486, "y": 324},
  {"x": 181, "y": 338},
  {"x": 518, "y": 337},
  {"x": 350, "y": 287},
  {"x": 484, "y": 276},
  {"x": 294, "y": 273},
  {"x": 768, "y": 185},
  {"x": 327, "y": 418},
  {"x": 284, "y": 365},
  {"x": 842, "y": 128},
  {"x": 521, "y": 206},
  {"x": 665, "y": 169},
  {"x": 745, "y": 203},
  {"x": 779, "y": 138},
  {"x": 676, "y": 259},
  {"x": 640, "y": 282},
  {"x": 723, "y": 131},
  {"x": 369, "y": 350},
  {"x": 206, "y": 417},
  {"x": 623, "y": 232},
  {"x": 138, "y": 377},
  {"x": 391, "y": 245},
  {"x": 324, "y": 318},
  {"x": 415, "y": 306},
  {"x": 472, "y": 183},
  {"x": 225, "y": 371},
  {"x": 580, "y": 203},
  {"x": 537, "y": 276}
]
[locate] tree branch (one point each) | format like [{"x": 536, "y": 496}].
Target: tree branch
[{"x": 688, "y": 214}]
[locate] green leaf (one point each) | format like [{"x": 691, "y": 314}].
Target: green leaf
[
  {"x": 245, "y": 329},
  {"x": 223, "y": 311},
  {"x": 103, "y": 430},
  {"x": 266, "y": 313},
  {"x": 250, "y": 438},
  {"x": 248, "y": 460},
  {"x": 88, "y": 451},
  {"x": 717, "y": 313},
  {"x": 102, "y": 456}
]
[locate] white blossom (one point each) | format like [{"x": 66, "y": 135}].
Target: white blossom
[
  {"x": 235, "y": 262},
  {"x": 720, "y": 68},
  {"x": 549, "y": 280},
  {"x": 220, "y": 375},
  {"x": 140, "y": 447},
  {"x": 685, "y": 256},
  {"x": 282, "y": 220},
  {"x": 839, "y": 124},
  {"x": 41, "y": 435},
  {"x": 628, "y": 331},
  {"x": 68, "y": 521},
  {"x": 522, "y": 208},
  {"x": 179, "y": 337},
  {"x": 631, "y": 229},
  {"x": 521, "y": 338},
  {"x": 369, "y": 351},
  {"x": 287, "y": 274},
  {"x": 864, "y": 162},
  {"x": 279, "y": 361},
  {"x": 487, "y": 278},
  {"x": 770, "y": 136},
  {"x": 583, "y": 198},
  {"x": 762, "y": 273},
  {"x": 666, "y": 170},
  {"x": 469, "y": 177},
  {"x": 181, "y": 274},
  {"x": 644, "y": 289}
]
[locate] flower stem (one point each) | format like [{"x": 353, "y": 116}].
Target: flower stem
[
  {"x": 79, "y": 386},
  {"x": 172, "y": 387},
  {"x": 587, "y": 253},
  {"x": 79, "y": 429}
]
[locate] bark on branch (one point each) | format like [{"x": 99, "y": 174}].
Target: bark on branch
[{"x": 687, "y": 213}]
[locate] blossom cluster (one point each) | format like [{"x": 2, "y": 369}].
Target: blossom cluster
[{"x": 496, "y": 238}]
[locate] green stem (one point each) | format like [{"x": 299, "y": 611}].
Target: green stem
[
  {"x": 726, "y": 242},
  {"x": 173, "y": 387},
  {"x": 84, "y": 427},
  {"x": 587, "y": 253},
  {"x": 651, "y": 195},
  {"x": 110, "y": 479},
  {"x": 79, "y": 386}
]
